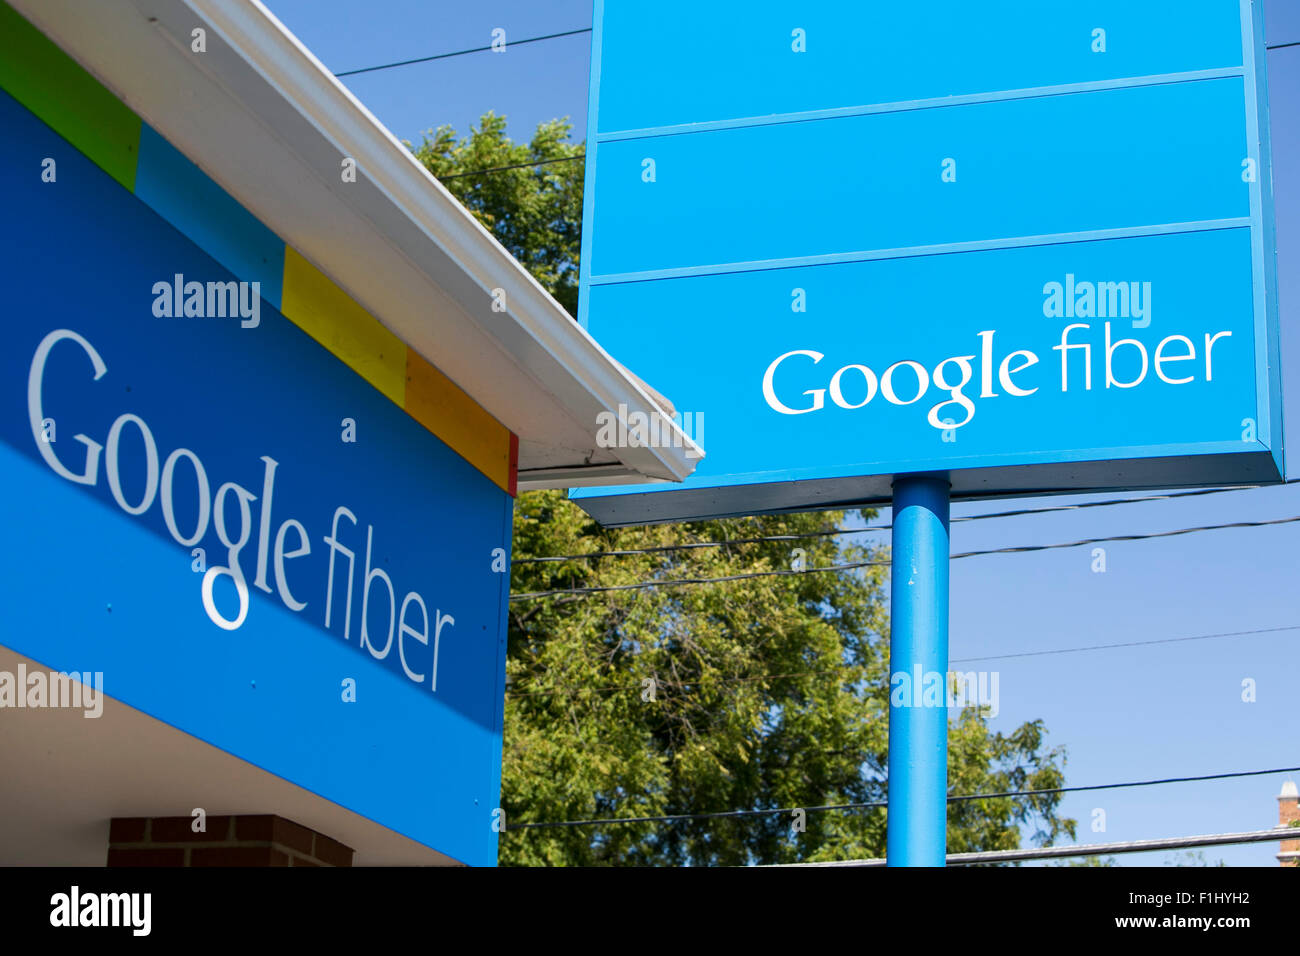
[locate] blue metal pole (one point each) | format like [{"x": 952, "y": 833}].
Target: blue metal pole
[{"x": 918, "y": 666}]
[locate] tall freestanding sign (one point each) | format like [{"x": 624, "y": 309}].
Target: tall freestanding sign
[{"x": 935, "y": 249}]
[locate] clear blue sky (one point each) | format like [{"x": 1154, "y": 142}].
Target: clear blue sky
[{"x": 1128, "y": 714}]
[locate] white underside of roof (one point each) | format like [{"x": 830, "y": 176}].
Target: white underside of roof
[
  {"x": 78, "y": 773},
  {"x": 264, "y": 119}
]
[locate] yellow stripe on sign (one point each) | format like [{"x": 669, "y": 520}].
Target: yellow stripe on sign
[
  {"x": 441, "y": 406},
  {"x": 316, "y": 305}
]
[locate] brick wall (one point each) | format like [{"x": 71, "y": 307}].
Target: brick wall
[
  {"x": 1288, "y": 812},
  {"x": 262, "y": 840}
]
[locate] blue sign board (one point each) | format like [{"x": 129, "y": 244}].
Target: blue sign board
[
  {"x": 1029, "y": 245},
  {"x": 249, "y": 541}
]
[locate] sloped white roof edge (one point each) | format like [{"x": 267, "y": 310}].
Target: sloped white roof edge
[{"x": 267, "y": 121}]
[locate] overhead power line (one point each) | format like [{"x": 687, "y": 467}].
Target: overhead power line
[
  {"x": 538, "y": 39},
  {"x": 1018, "y": 549},
  {"x": 833, "y": 532},
  {"x": 498, "y": 169},
  {"x": 1123, "y": 644},
  {"x": 1090, "y": 849},
  {"x": 447, "y": 56},
  {"x": 675, "y": 582},
  {"x": 550, "y": 36},
  {"x": 638, "y": 686},
  {"x": 1015, "y": 549},
  {"x": 879, "y": 804}
]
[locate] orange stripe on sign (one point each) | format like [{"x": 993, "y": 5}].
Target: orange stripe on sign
[
  {"x": 441, "y": 406},
  {"x": 320, "y": 308}
]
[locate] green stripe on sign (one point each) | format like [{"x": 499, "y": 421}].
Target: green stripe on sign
[{"x": 48, "y": 82}]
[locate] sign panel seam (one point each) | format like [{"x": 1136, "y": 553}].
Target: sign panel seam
[
  {"x": 905, "y": 106},
  {"x": 938, "y": 249}
]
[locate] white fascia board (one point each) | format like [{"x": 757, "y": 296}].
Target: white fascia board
[
  {"x": 265, "y": 119},
  {"x": 586, "y": 476}
]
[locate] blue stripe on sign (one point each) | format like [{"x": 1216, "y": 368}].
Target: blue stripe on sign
[{"x": 181, "y": 193}]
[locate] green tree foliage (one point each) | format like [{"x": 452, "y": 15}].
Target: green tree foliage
[
  {"x": 534, "y": 211},
  {"x": 758, "y": 694}
]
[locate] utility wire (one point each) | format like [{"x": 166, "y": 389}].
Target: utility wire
[
  {"x": 537, "y": 39},
  {"x": 830, "y": 532},
  {"x": 960, "y": 660},
  {"x": 498, "y": 169},
  {"x": 477, "y": 49},
  {"x": 528, "y": 595},
  {"x": 1019, "y": 549},
  {"x": 1088, "y": 849},
  {"x": 1016, "y": 549},
  {"x": 880, "y": 804},
  {"x": 1123, "y": 644}
]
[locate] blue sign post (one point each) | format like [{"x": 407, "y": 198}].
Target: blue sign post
[
  {"x": 1026, "y": 247},
  {"x": 918, "y": 647}
]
